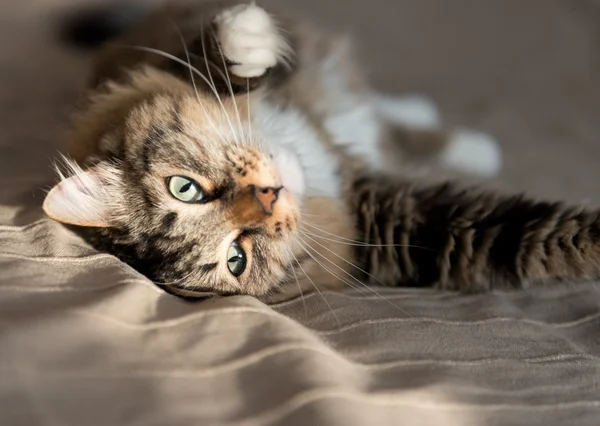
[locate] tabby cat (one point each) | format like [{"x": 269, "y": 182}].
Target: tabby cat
[{"x": 224, "y": 149}]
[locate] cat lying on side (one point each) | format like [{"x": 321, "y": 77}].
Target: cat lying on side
[{"x": 227, "y": 149}]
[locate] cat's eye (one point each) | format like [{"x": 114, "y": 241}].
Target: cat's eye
[
  {"x": 185, "y": 189},
  {"x": 236, "y": 259}
]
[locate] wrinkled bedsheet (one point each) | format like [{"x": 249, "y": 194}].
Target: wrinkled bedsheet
[{"x": 85, "y": 340}]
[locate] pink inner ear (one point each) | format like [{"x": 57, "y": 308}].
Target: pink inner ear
[{"x": 78, "y": 200}]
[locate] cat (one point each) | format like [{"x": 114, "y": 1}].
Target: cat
[{"x": 227, "y": 149}]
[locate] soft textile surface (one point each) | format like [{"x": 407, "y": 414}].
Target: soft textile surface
[{"x": 84, "y": 340}]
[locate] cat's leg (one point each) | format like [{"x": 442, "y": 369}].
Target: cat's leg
[
  {"x": 417, "y": 129},
  {"x": 250, "y": 40},
  {"x": 227, "y": 45},
  {"x": 361, "y": 121},
  {"x": 454, "y": 238},
  {"x": 245, "y": 43},
  {"x": 409, "y": 110}
]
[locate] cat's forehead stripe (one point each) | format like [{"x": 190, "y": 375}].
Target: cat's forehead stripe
[
  {"x": 154, "y": 137},
  {"x": 176, "y": 123},
  {"x": 166, "y": 144},
  {"x": 168, "y": 221}
]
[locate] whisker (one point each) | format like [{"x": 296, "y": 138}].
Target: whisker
[
  {"x": 187, "y": 55},
  {"x": 316, "y": 288},
  {"x": 356, "y": 243},
  {"x": 313, "y": 215},
  {"x": 182, "y": 62},
  {"x": 230, "y": 87},
  {"x": 349, "y": 284},
  {"x": 340, "y": 257},
  {"x": 356, "y": 279},
  {"x": 212, "y": 80},
  {"x": 299, "y": 286},
  {"x": 340, "y": 240},
  {"x": 248, "y": 107},
  {"x": 360, "y": 244}
]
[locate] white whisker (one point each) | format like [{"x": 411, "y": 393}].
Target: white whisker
[
  {"x": 248, "y": 106},
  {"x": 235, "y": 135},
  {"x": 340, "y": 257},
  {"x": 194, "y": 69},
  {"x": 313, "y": 215},
  {"x": 299, "y": 286},
  {"x": 356, "y": 279},
  {"x": 230, "y": 87},
  {"x": 356, "y": 243},
  {"x": 349, "y": 284},
  {"x": 187, "y": 55},
  {"x": 316, "y": 288}
]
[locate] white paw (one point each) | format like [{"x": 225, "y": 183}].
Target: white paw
[
  {"x": 473, "y": 152},
  {"x": 250, "y": 39},
  {"x": 414, "y": 111}
]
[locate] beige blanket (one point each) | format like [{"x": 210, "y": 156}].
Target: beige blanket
[{"x": 85, "y": 340}]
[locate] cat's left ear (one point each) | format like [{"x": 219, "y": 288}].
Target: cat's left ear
[{"x": 82, "y": 199}]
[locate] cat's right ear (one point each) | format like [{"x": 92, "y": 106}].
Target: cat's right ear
[{"x": 81, "y": 199}]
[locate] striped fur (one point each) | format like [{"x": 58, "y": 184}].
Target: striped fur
[
  {"x": 307, "y": 127},
  {"x": 444, "y": 236}
]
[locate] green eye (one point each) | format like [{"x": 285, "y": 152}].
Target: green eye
[
  {"x": 236, "y": 259},
  {"x": 185, "y": 189}
]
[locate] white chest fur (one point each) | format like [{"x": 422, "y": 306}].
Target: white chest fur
[{"x": 289, "y": 130}]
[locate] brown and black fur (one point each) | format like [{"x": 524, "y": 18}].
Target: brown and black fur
[
  {"x": 408, "y": 233},
  {"x": 453, "y": 238}
]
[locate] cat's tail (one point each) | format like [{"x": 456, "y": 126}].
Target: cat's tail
[
  {"x": 470, "y": 240},
  {"x": 91, "y": 27}
]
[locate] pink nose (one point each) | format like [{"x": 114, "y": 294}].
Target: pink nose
[{"x": 266, "y": 197}]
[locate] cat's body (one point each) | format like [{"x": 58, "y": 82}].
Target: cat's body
[{"x": 286, "y": 173}]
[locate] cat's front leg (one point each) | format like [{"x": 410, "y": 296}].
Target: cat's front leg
[{"x": 248, "y": 43}]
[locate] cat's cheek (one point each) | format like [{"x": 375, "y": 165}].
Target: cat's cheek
[
  {"x": 185, "y": 213},
  {"x": 284, "y": 221}
]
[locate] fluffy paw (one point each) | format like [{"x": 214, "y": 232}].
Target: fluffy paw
[
  {"x": 473, "y": 152},
  {"x": 415, "y": 111},
  {"x": 250, "y": 39}
]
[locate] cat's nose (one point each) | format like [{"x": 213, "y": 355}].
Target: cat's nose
[{"x": 266, "y": 197}]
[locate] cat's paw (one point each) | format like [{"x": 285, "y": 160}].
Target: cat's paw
[
  {"x": 250, "y": 39},
  {"x": 410, "y": 110},
  {"x": 472, "y": 152}
]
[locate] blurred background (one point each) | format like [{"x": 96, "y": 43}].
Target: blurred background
[{"x": 528, "y": 73}]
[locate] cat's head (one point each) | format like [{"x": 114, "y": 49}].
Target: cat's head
[{"x": 183, "y": 190}]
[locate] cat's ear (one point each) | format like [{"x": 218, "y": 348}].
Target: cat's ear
[{"x": 81, "y": 199}]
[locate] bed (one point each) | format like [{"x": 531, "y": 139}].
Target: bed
[{"x": 85, "y": 340}]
